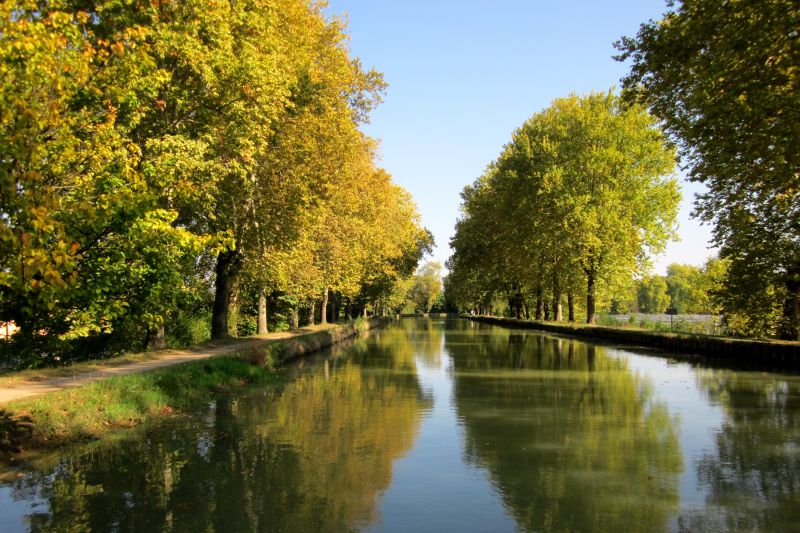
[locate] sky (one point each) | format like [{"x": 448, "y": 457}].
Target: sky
[{"x": 463, "y": 75}]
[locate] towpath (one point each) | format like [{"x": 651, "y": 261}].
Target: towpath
[{"x": 24, "y": 384}]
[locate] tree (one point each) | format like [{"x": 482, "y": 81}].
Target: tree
[
  {"x": 722, "y": 76},
  {"x": 427, "y": 285},
  {"x": 614, "y": 165},
  {"x": 576, "y": 201},
  {"x": 652, "y": 295},
  {"x": 86, "y": 242},
  {"x": 688, "y": 288},
  {"x": 150, "y": 152}
]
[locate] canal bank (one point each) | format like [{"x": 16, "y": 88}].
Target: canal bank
[
  {"x": 779, "y": 354},
  {"x": 448, "y": 426},
  {"x": 52, "y": 413}
]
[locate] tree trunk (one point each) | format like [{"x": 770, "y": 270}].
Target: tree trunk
[
  {"x": 311, "y": 313},
  {"x": 558, "y": 309},
  {"x": 233, "y": 314},
  {"x": 546, "y": 311},
  {"x": 227, "y": 269},
  {"x": 539, "y": 303},
  {"x": 571, "y": 306},
  {"x": 790, "y": 322},
  {"x": 323, "y": 319},
  {"x": 590, "y": 294},
  {"x": 156, "y": 339},
  {"x": 348, "y": 310},
  {"x": 558, "y": 312},
  {"x": 294, "y": 318},
  {"x": 261, "y": 327},
  {"x": 527, "y": 311}
]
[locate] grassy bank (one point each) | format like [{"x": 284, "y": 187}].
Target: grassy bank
[
  {"x": 88, "y": 412},
  {"x": 778, "y": 354},
  {"x": 92, "y": 410}
]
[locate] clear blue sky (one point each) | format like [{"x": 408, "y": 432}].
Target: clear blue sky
[{"x": 464, "y": 74}]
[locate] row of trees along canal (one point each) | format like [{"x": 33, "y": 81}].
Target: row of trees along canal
[
  {"x": 582, "y": 194},
  {"x": 165, "y": 164}
]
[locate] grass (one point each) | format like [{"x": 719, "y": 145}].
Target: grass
[
  {"x": 679, "y": 324},
  {"x": 11, "y": 377},
  {"x": 95, "y": 409},
  {"x": 90, "y": 411}
]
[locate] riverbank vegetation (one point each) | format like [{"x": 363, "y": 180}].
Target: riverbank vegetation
[
  {"x": 177, "y": 171},
  {"x": 569, "y": 211},
  {"x": 581, "y": 196},
  {"x": 91, "y": 410},
  {"x": 722, "y": 79}
]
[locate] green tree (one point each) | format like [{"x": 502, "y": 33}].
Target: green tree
[
  {"x": 614, "y": 166},
  {"x": 87, "y": 244},
  {"x": 688, "y": 288},
  {"x": 575, "y": 203},
  {"x": 154, "y": 153},
  {"x": 427, "y": 285},
  {"x": 652, "y": 295},
  {"x": 722, "y": 76}
]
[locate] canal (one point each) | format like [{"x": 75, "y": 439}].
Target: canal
[{"x": 447, "y": 425}]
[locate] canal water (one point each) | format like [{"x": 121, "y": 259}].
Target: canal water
[{"x": 448, "y": 425}]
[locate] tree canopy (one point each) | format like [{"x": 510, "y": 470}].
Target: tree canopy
[
  {"x": 573, "y": 206},
  {"x": 723, "y": 79},
  {"x": 168, "y": 162}
]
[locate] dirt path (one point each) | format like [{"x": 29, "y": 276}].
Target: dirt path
[{"x": 23, "y": 388}]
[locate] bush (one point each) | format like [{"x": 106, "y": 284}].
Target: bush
[
  {"x": 246, "y": 326},
  {"x": 188, "y": 329}
]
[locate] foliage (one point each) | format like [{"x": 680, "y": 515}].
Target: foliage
[
  {"x": 187, "y": 329},
  {"x": 652, "y": 295},
  {"x": 427, "y": 286},
  {"x": 723, "y": 78},
  {"x": 573, "y": 206},
  {"x": 159, "y": 160},
  {"x": 246, "y": 326}
]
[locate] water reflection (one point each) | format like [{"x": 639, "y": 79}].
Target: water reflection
[
  {"x": 752, "y": 476},
  {"x": 312, "y": 458},
  {"x": 573, "y": 439},
  {"x": 448, "y": 426}
]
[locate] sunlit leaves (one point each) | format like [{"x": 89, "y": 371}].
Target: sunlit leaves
[
  {"x": 723, "y": 78},
  {"x": 139, "y": 141},
  {"x": 579, "y": 197}
]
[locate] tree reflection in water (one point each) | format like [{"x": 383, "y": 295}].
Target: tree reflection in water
[
  {"x": 753, "y": 475},
  {"x": 572, "y": 438},
  {"x": 568, "y": 434},
  {"x": 312, "y": 457}
]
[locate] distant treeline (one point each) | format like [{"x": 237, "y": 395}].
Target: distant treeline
[{"x": 168, "y": 169}]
